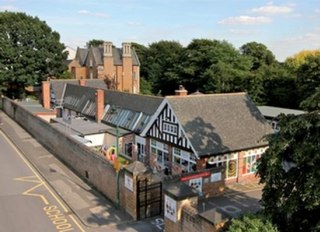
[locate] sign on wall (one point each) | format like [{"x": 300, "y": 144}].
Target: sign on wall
[
  {"x": 170, "y": 208},
  {"x": 128, "y": 182},
  {"x": 215, "y": 177},
  {"x": 196, "y": 184}
]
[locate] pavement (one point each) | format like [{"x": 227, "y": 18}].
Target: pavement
[{"x": 92, "y": 209}]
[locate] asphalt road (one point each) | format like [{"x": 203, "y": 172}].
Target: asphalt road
[{"x": 26, "y": 201}]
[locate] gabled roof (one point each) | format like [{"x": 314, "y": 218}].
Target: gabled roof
[
  {"x": 97, "y": 53},
  {"x": 219, "y": 123},
  {"x": 81, "y": 55}
]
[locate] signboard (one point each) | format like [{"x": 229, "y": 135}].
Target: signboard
[
  {"x": 170, "y": 208},
  {"x": 196, "y": 184},
  {"x": 128, "y": 182},
  {"x": 215, "y": 177},
  {"x": 195, "y": 176}
]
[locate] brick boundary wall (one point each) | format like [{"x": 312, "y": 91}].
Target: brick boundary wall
[{"x": 85, "y": 162}]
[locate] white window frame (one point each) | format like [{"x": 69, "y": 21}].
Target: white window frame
[
  {"x": 224, "y": 160},
  {"x": 257, "y": 153},
  {"x": 170, "y": 128},
  {"x": 157, "y": 147},
  {"x": 183, "y": 156}
]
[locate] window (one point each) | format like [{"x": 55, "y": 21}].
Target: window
[
  {"x": 170, "y": 128},
  {"x": 141, "y": 152},
  {"x": 250, "y": 163},
  {"x": 184, "y": 159},
  {"x": 161, "y": 151},
  {"x": 128, "y": 149},
  {"x": 229, "y": 161}
]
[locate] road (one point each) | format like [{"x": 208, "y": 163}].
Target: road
[{"x": 27, "y": 203}]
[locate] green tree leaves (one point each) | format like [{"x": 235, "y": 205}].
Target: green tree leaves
[
  {"x": 251, "y": 223},
  {"x": 30, "y": 52},
  {"x": 290, "y": 171}
]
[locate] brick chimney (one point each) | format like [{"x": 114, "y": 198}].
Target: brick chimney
[
  {"x": 126, "y": 49},
  {"x": 181, "y": 91},
  {"x": 82, "y": 82},
  {"x": 108, "y": 66},
  {"x": 127, "y": 75},
  {"x": 46, "y": 94},
  {"x": 99, "y": 104}
]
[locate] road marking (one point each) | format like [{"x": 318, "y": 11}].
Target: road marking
[
  {"x": 28, "y": 192},
  {"x": 41, "y": 179}
]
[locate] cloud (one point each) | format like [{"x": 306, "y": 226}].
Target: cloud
[
  {"x": 8, "y": 8},
  {"x": 96, "y": 14},
  {"x": 271, "y": 9},
  {"x": 245, "y": 20}
]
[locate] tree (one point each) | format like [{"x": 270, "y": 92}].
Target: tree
[
  {"x": 160, "y": 66},
  {"x": 308, "y": 77},
  {"x": 312, "y": 103},
  {"x": 251, "y": 223},
  {"x": 258, "y": 53},
  {"x": 290, "y": 171},
  {"x": 213, "y": 66},
  {"x": 94, "y": 43},
  {"x": 295, "y": 61},
  {"x": 30, "y": 52}
]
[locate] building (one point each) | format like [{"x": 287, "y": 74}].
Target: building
[
  {"x": 119, "y": 67},
  {"x": 271, "y": 113},
  {"x": 173, "y": 135}
]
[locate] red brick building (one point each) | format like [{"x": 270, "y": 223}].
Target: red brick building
[{"x": 120, "y": 67}]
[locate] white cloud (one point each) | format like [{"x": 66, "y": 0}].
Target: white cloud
[
  {"x": 242, "y": 32},
  {"x": 247, "y": 20},
  {"x": 96, "y": 14},
  {"x": 8, "y": 8},
  {"x": 272, "y": 9}
]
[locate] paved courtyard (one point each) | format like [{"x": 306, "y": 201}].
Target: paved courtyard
[{"x": 237, "y": 200}]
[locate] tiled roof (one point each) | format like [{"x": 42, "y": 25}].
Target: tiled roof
[
  {"x": 96, "y": 83},
  {"x": 219, "y": 123},
  {"x": 97, "y": 53},
  {"x": 129, "y": 111},
  {"x": 83, "y": 53},
  {"x": 57, "y": 86},
  {"x": 80, "y": 99}
]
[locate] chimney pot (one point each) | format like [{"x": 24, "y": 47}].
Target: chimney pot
[{"x": 181, "y": 91}]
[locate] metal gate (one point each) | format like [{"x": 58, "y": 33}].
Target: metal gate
[{"x": 149, "y": 199}]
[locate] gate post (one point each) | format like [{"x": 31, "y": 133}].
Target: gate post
[
  {"x": 129, "y": 187},
  {"x": 177, "y": 196}
]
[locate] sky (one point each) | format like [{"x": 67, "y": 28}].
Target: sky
[{"x": 285, "y": 27}]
